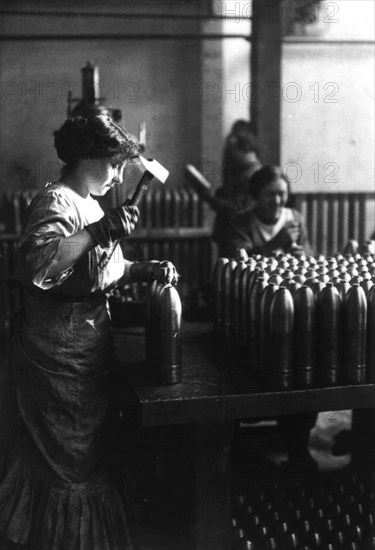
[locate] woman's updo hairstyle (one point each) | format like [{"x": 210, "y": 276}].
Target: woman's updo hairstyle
[
  {"x": 265, "y": 175},
  {"x": 94, "y": 137}
]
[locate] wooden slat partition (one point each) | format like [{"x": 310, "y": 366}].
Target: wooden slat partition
[
  {"x": 172, "y": 224},
  {"x": 334, "y": 218}
]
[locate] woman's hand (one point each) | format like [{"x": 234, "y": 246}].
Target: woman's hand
[
  {"x": 167, "y": 273},
  {"x": 296, "y": 249},
  {"x": 292, "y": 229},
  {"x": 115, "y": 224},
  {"x": 291, "y": 233},
  {"x": 164, "y": 272}
]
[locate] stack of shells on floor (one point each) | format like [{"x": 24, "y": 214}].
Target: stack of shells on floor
[
  {"x": 289, "y": 513},
  {"x": 300, "y": 321}
]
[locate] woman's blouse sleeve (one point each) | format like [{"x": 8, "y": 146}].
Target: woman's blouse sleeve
[{"x": 50, "y": 217}]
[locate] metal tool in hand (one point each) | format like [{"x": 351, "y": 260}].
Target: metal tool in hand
[{"x": 151, "y": 169}]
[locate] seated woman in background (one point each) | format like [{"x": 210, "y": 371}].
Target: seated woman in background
[
  {"x": 268, "y": 225},
  {"x": 240, "y": 161},
  {"x": 60, "y": 487}
]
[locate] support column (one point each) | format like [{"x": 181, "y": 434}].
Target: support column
[
  {"x": 211, "y": 98},
  {"x": 266, "y": 51}
]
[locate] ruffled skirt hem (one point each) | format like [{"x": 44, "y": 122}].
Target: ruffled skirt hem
[{"x": 60, "y": 516}]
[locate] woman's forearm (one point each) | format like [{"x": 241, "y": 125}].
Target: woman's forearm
[{"x": 70, "y": 250}]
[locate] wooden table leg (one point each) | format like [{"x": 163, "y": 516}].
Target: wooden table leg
[
  {"x": 211, "y": 529},
  {"x": 363, "y": 433}
]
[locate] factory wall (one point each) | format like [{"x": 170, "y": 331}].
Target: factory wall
[
  {"x": 189, "y": 92},
  {"x": 154, "y": 80},
  {"x": 327, "y": 98},
  {"x": 327, "y": 113}
]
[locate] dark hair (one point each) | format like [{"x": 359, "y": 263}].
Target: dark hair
[
  {"x": 242, "y": 137},
  {"x": 265, "y": 175},
  {"x": 94, "y": 137}
]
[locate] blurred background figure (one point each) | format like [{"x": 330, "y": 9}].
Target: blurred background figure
[
  {"x": 240, "y": 162},
  {"x": 268, "y": 225}
]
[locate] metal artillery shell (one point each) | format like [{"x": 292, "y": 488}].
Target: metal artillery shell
[
  {"x": 344, "y": 275},
  {"x": 343, "y": 286},
  {"x": 217, "y": 287},
  {"x": 288, "y": 277},
  {"x": 303, "y": 264},
  {"x": 271, "y": 265},
  {"x": 293, "y": 286},
  {"x": 322, "y": 270},
  {"x": 169, "y": 317},
  {"x": 301, "y": 271},
  {"x": 324, "y": 278},
  {"x": 251, "y": 281},
  {"x": 156, "y": 333},
  {"x": 362, "y": 264},
  {"x": 304, "y": 336},
  {"x": 332, "y": 262},
  {"x": 311, "y": 273},
  {"x": 317, "y": 288},
  {"x": 351, "y": 247},
  {"x": 367, "y": 285},
  {"x": 366, "y": 282},
  {"x": 262, "y": 264},
  {"x": 298, "y": 278},
  {"x": 355, "y": 327},
  {"x": 242, "y": 255},
  {"x": 151, "y": 327},
  {"x": 281, "y": 336},
  {"x": 235, "y": 301},
  {"x": 264, "y": 329},
  {"x": 353, "y": 272},
  {"x": 370, "y": 335},
  {"x": 253, "y": 314},
  {"x": 276, "y": 279},
  {"x": 310, "y": 281},
  {"x": 226, "y": 283},
  {"x": 329, "y": 319},
  {"x": 333, "y": 273},
  {"x": 152, "y": 336},
  {"x": 243, "y": 289},
  {"x": 321, "y": 260},
  {"x": 251, "y": 263}
]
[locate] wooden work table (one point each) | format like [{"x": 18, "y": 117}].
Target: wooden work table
[{"x": 218, "y": 388}]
